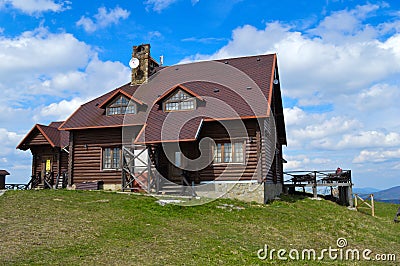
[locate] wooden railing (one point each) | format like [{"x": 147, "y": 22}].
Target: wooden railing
[
  {"x": 16, "y": 186},
  {"x": 36, "y": 181},
  {"x": 186, "y": 185}
]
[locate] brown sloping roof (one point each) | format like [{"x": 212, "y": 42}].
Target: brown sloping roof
[
  {"x": 90, "y": 115},
  {"x": 119, "y": 92},
  {"x": 240, "y": 93},
  {"x": 179, "y": 86},
  {"x": 219, "y": 102},
  {"x": 259, "y": 68},
  {"x": 4, "y": 172},
  {"x": 54, "y": 137},
  {"x": 156, "y": 130}
]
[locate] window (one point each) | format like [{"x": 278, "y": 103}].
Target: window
[
  {"x": 112, "y": 158},
  {"x": 178, "y": 156},
  {"x": 179, "y": 101},
  {"x": 229, "y": 152},
  {"x": 121, "y": 106}
]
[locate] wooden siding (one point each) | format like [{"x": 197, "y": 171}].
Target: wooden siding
[
  {"x": 42, "y": 152},
  {"x": 88, "y": 146},
  {"x": 64, "y": 161},
  {"x": 271, "y": 157},
  {"x": 87, "y": 154},
  {"x": 37, "y": 139},
  {"x": 231, "y": 171}
]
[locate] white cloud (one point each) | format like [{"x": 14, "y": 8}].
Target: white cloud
[
  {"x": 346, "y": 25},
  {"x": 39, "y": 54},
  {"x": 9, "y": 141},
  {"x": 294, "y": 116},
  {"x": 306, "y": 162},
  {"x": 203, "y": 40},
  {"x": 366, "y": 139},
  {"x": 331, "y": 126},
  {"x": 377, "y": 156},
  {"x": 61, "y": 110},
  {"x": 94, "y": 79},
  {"x": 42, "y": 63},
  {"x": 33, "y": 7},
  {"x": 103, "y": 19},
  {"x": 158, "y": 5},
  {"x": 315, "y": 65},
  {"x": 371, "y": 99},
  {"x": 154, "y": 35},
  {"x": 12, "y": 158}
]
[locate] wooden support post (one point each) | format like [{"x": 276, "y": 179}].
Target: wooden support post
[
  {"x": 314, "y": 187},
  {"x": 58, "y": 167},
  {"x": 372, "y": 205},
  {"x": 259, "y": 160},
  {"x": 71, "y": 158},
  {"x": 148, "y": 169},
  {"x": 124, "y": 165},
  {"x": 34, "y": 164},
  {"x": 350, "y": 195},
  {"x": 355, "y": 201}
]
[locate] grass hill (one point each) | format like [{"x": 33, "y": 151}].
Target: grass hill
[{"x": 48, "y": 227}]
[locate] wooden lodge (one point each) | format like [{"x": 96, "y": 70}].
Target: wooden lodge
[
  {"x": 3, "y": 174},
  {"x": 168, "y": 126},
  {"x": 49, "y": 148}
]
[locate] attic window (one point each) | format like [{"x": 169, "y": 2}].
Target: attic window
[
  {"x": 121, "y": 106},
  {"x": 179, "y": 101}
]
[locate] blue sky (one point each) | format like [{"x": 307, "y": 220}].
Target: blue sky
[{"x": 339, "y": 65}]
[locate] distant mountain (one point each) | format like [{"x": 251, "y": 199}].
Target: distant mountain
[
  {"x": 365, "y": 190},
  {"x": 388, "y": 195}
]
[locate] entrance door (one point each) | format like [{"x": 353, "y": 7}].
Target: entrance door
[
  {"x": 46, "y": 174},
  {"x": 175, "y": 172}
]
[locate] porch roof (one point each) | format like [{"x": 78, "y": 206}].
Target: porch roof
[
  {"x": 4, "y": 172},
  {"x": 54, "y": 137}
]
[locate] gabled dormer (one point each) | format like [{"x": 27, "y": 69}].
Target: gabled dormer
[
  {"x": 121, "y": 103},
  {"x": 179, "y": 98}
]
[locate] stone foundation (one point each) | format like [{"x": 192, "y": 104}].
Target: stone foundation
[
  {"x": 112, "y": 187},
  {"x": 245, "y": 191},
  {"x": 271, "y": 191}
]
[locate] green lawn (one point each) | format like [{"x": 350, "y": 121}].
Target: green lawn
[{"x": 90, "y": 228}]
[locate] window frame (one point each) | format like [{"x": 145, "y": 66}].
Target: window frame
[
  {"x": 110, "y": 161},
  {"x": 179, "y": 102},
  {"x": 221, "y": 152},
  {"x": 121, "y": 107}
]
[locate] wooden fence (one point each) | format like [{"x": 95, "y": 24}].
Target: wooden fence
[{"x": 370, "y": 205}]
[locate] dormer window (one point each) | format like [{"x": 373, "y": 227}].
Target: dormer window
[
  {"x": 121, "y": 106},
  {"x": 179, "y": 101}
]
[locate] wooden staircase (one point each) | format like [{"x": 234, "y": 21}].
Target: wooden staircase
[
  {"x": 183, "y": 189},
  {"x": 61, "y": 181}
]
